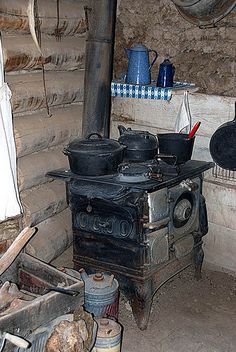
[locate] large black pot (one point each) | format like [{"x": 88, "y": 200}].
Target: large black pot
[
  {"x": 175, "y": 148},
  {"x": 94, "y": 156},
  {"x": 140, "y": 145}
]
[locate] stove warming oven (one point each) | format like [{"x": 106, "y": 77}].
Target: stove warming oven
[{"x": 142, "y": 227}]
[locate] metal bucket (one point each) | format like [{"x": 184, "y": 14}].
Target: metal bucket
[
  {"x": 204, "y": 13},
  {"x": 108, "y": 336},
  {"x": 101, "y": 294}
]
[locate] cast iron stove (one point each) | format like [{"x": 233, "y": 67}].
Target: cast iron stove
[{"x": 144, "y": 224}]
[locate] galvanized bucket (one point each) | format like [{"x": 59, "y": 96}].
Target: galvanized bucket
[
  {"x": 108, "y": 336},
  {"x": 101, "y": 294},
  {"x": 204, "y": 13}
]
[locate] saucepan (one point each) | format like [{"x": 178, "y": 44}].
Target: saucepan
[{"x": 177, "y": 148}]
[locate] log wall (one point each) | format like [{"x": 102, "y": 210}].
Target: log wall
[{"x": 40, "y": 137}]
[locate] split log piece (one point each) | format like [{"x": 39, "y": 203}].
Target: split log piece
[
  {"x": 12, "y": 252},
  {"x": 34, "y": 133},
  {"x": 54, "y": 236},
  {"x": 13, "y": 16},
  {"x": 21, "y": 53},
  {"x": 32, "y": 168},
  {"x": 61, "y": 88},
  {"x": 42, "y": 202}
]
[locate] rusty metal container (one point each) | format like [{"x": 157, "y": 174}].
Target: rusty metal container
[
  {"x": 108, "y": 336},
  {"x": 101, "y": 294}
]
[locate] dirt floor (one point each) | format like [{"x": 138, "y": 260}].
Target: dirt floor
[{"x": 187, "y": 315}]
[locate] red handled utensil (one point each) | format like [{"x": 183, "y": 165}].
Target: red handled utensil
[{"x": 194, "y": 130}]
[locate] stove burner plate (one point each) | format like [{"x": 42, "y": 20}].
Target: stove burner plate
[{"x": 139, "y": 172}]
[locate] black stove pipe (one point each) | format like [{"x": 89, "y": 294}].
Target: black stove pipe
[{"x": 101, "y": 19}]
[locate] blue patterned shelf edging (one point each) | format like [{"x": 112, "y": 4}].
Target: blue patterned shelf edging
[{"x": 120, "y": 89}]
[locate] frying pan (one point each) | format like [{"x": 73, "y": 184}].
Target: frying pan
[{"x": 223, "y": 145}]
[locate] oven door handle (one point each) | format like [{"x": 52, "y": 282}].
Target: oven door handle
[{"x": 156, "y": 225}]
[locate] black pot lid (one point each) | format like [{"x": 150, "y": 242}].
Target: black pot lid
[
  {"x": 141, "y": 140},
  {"x": 93, "y": 143}
]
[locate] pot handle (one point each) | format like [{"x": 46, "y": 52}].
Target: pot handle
[
  {"x": 155, "y": 57},
  {"x": 66, "y": 152},
  {"x": 94, "y": 134},
  {"x": 167, "y": 156}
]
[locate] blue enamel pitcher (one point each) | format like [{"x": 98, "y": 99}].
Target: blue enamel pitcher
[
  {"x": 139, "y": 68},
  {"x": 166, "y": 74}
]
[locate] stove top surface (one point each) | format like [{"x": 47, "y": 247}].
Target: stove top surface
[{"x": 151, "y": 178}]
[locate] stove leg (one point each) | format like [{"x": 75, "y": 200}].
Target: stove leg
[
  {"x": 140, "y": 299},
  {"x": 198, "y": 260}
]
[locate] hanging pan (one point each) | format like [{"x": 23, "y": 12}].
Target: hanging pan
[{"x": 223, "y": 145}]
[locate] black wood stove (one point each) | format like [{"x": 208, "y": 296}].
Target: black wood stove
[{"x": 144, "y": 224}]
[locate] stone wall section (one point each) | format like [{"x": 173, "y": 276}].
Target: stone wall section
[{"x": 205, "y": 57}]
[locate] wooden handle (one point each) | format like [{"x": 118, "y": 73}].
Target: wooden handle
[
  {"x": 16, "y": 340},
  {"x": 194, "y": 130},
  {"x": 12, "y": 252}
]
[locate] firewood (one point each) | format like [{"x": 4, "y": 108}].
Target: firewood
[
  {"x": 8, "y": 293},
  {"x": 66, "y": 337},
  {"x": 12, "y": 252}
]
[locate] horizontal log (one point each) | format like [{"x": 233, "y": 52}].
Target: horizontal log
[
  {"x": 33, "y": 168},
  {"x": 54, "y": 236},
  {"x": 28, "y": 92},
  {"x": 221, "y": 201},
  {"x": 36, "y": 132},
  {"x": 220, "y": 247},
  {"x": 211, "y": 110},
  {"x": 21, "y": 53},
  {"x": 40, "y": 203},
  {"x": 13, "y": 16}
]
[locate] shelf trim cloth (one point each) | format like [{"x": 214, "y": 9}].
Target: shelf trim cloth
[
  {"x": 10, "y": 205},
  {"x": 121, "y": 89}
]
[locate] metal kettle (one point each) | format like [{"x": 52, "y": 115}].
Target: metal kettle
[
  {"x": 140, "y": 145},
  {"x": 166, "y": 74},
  {"x": 139, "y": 68}
]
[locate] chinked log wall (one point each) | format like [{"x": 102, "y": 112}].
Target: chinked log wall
[{"x": 40, "y": 138}]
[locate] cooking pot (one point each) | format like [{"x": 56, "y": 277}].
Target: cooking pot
[
  {"x": 94, "y": 156},
  {"x": 140, "y": 145},
  {"x": 175, "y": 148},
  {"x": 222, "y": 145}
]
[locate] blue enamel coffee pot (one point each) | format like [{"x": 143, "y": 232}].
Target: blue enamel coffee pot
[
  {"x": 166, "y": 74},
  {"x": 139, "y": 68}
]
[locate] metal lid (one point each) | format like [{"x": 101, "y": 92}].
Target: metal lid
[
  {"x": 107, "y": 328},
  {"x": 138, "y": 140},
  {"x": 100, "y": 283},
  {"x": 129, "y": 169},
  {"x": 139, "y": 47},
  {"x": 95, "y": 144},
  {"x": 166, "y": 62}
]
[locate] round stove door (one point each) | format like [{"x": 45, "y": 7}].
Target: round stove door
[{"x": 184, "y": 210}]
